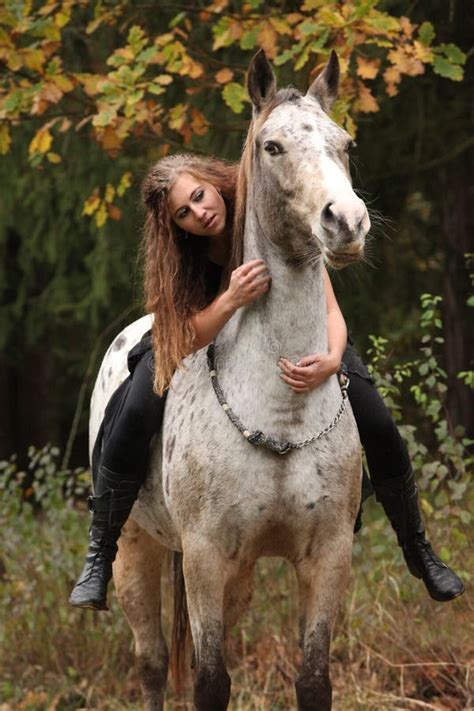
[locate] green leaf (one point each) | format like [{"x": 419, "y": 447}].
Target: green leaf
[
  {"x": 426, "y": 33},
  {"x": 176, "y": 20},
  {"x": 445, "y": 69},
  {"x": 234, "y": 95},
  {"x": 155, "y": 89},
  {"x": 249, "y": 40},
  {"x": 308, "y": 28},
  {"x": 452, "y": 53},
  {"x": 321, "y": 41}
]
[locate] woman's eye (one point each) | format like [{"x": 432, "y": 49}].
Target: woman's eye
[
  {"x": 199, "y": 196},
  {"x": 182, "y": 213},
  {"x": 273, "y": 148}
]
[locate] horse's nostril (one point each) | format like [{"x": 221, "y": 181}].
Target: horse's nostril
[{"x": 327, "y": 213}]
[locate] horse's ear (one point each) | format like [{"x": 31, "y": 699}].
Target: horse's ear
[
  {"x": 325, "y": 87},
  {"x": 261, "y": 82}
]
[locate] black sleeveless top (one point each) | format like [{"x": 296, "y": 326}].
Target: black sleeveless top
[{"x": 212, "y": 279}]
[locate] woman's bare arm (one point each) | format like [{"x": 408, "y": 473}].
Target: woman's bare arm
[
  {"x": 336, "y": 325},
  {"x": 247, "y": 283}
]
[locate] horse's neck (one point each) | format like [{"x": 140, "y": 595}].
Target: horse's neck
[{"x": 291, "y": 318}]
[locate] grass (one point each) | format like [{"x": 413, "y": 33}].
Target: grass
[{"x": 393, "y": 647}]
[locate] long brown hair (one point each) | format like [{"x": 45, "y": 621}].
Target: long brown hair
[{"x": 174, "y": 267}]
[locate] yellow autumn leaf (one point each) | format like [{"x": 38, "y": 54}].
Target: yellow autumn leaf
[
  {"x": 367, "y": 68},
  {"x": 124, "y": 184},
  {"x": 224, "y": 76},
  {"x": 53, "y": 157},
  {"x": 101, "y": 215},
  {"x": 366, "y": 102},
  {"x": 34, "y": 59},
  {"x": 41, "y": 143},
  {"x": 405, "y": 63},
  {"x": 281, "y": 25},
  {"x": 5, "y": 139},
  {"x": 392, "y": 78},
  {"x": 199, "y": 123},
  {"x": 422, "y": 52},
  {"x": 91, "y": 204},
  {"x": 109, "y": 193},
  {"x": 267, "y": 40},
  {"x": 407, "y": 27}
]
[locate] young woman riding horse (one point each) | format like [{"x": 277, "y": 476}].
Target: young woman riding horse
[{"x": 192, "y": 291}]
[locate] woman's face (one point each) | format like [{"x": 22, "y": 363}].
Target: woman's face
[{"x": 197, "y": 207}]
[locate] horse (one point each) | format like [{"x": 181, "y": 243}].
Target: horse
[{"x": 245, "y": 467}]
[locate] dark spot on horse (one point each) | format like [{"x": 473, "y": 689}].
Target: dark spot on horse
[
  {"x": 191, "y": 416},
  {"x": 170, "y": 447},
  {"x": 307, "y": 127},
  {"x": 167, "y": 486},
  {"x": 193, "y": 398},
  {"x": 201, "y": 412},
  {"x": 160, "y": 533},
  {"x": 109, "y": 374},
  {"x": 119, "y": 343},
  {"x": 261, "y": 507},
  {"x": 311, "y": 505}
]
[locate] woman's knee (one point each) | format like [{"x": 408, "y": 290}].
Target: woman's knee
[{"x": 372, "y": 415}]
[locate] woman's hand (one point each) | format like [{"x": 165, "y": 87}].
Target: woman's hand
[
  {"x": 309, "y": 372},
  {"x": 248, "y": 283}
]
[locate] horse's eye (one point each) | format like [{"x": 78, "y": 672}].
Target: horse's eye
[
  {"x": 273, "y": 148},
  {"x": 350, "y": 146}
]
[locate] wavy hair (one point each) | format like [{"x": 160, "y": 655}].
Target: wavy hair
[{"x": 174, "y": 267}]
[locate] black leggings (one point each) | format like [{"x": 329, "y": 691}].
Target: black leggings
[
  {"x": 135, "y": 414},
  {"x": 132, "y": 417}
]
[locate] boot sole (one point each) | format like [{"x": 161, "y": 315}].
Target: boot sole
[{"x": 89, "y": 605}]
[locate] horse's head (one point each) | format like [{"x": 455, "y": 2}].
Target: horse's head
[{"x": 298, "y": 160}]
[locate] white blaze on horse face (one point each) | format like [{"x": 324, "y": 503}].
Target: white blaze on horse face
[{"x": 305, "y": 152}]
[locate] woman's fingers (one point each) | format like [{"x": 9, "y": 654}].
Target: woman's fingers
[
  {"x": 296, "y": 372},
  {"x": 244, "y": 269},
  {"x": 295, "y": 384}
]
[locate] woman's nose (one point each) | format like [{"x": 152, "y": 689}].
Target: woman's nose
[{"x": 199, "y": 213}]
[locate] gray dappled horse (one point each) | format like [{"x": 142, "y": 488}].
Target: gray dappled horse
[{"x": 212, "y": 493}]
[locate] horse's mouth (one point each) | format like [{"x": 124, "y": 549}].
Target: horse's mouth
[{"x": 339, "y": 260}]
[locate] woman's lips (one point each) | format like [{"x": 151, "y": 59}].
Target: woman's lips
[{"x": 209, "y": 222}]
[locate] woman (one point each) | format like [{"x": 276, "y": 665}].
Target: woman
[{"x": 193, "y": 287}]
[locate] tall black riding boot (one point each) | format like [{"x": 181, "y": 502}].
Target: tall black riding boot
[
  {"x": 399, "y": 498},
  {"x": 111, "y": 506}
]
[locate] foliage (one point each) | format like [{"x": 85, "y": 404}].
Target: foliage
[
  {"x": 161, "y": 78},
  {"x": 444, "y": 474}
]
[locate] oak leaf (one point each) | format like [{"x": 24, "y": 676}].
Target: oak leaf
[
  {"x": 267, "y": 39},
  {"x": 366, "y": 102},
  {"x": 41, "y": 142},
  {"x": 367, "y": 68},
  {"x": 5, "y": 139},
  {"x": 224, "y": 75}
]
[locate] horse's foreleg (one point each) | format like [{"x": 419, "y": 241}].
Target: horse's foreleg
[
  {"x": 322, "y": 580},
  {"x": 207, "y": 573},
  {"x": 137, "y": 577}
]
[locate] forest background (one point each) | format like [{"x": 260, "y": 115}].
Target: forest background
[{"x": 92, "y": 93}]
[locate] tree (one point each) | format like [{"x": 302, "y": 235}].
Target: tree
[{"x": 91, "y": 93}]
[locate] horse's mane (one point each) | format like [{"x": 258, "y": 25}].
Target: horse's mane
[{"x": 245, "y": 174}]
